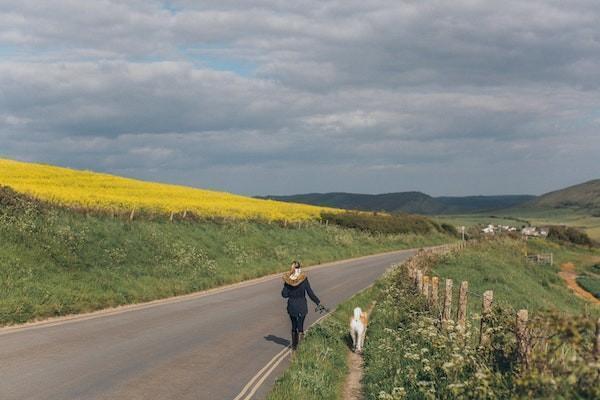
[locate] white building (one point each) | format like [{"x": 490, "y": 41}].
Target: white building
[
  {"x": 530, "y": 231},
  {"x": 488, "y": 230}
]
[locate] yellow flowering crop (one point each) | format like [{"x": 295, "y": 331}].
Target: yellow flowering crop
[{"x": 102, "y": 191}]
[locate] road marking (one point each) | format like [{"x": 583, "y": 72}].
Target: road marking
[
  {"x": 258, "y": 374},
  {"x": 265, "y": 376},
  {"x": 273, "y": 363}
]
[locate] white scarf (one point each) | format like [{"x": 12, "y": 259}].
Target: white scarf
[{"x": 295, "y": 274}]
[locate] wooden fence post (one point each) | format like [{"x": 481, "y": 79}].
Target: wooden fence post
[
  {"x": 597, "y": 344},
  {"x": 412, "y": 272},
  {"x": 446, "y": 315},
  {"x": 419, "y": 281},
  {"x": 426, "y": 286},
  {"x": 171, "y": 217},
  {"x": 434, "y": 301},
  {"x": 132, "y": 215},
  {"x": 184, "y": 213},
  {"x": 523, "y": 338},
  {"x": 461, "y": 316},
  {"x": 484, "y": 337}
]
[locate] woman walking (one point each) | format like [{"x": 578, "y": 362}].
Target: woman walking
[{"x": 295, "y": 288}]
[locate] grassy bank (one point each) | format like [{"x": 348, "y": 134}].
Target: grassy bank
[
  {"x": 408, "y": 355},
  {"x": 318, "y": 370},
  {"x": 500, "y": 265},
  {"x": 54, "y": 261}
]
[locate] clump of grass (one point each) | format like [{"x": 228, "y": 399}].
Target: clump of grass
[
  {"x": 570, "y": 235},
  {"x": 318, "y": 369},
  {"x": 590, "y": 283}
]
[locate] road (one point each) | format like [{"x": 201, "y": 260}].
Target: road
[{"x": 206, "y": 346}]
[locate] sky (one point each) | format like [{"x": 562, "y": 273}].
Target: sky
[{"x": 454, "y": 97}]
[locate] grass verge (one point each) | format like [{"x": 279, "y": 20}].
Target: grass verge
[
  {"x": 410, "y": 356},
  {"x": 318, "y": 369}
]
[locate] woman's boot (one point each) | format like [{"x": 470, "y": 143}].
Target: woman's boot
[{"x": 294, "y": 340}]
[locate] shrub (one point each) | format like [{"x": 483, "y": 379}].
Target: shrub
[
  {"x": 382, "y": 223},
  {"x": 591, "y": 284},
  {"x": 570, "y": 235},
  {"x": 450, "y": 229}
]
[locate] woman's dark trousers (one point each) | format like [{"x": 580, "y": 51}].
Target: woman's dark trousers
[{"x": 297, "y": 328}]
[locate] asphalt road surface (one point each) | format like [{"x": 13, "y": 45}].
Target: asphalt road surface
[{"x": 209, "y": 346}]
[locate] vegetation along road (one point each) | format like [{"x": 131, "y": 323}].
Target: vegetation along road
[{"x": 197, "y": 347}]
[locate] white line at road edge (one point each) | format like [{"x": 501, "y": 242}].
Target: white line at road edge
[
  {"x": 265, "y": 376},
  {"x": 255, "y": 377},
  {"x": 273, "y": 363}
]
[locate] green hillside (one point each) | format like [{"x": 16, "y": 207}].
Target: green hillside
[
  {"x": 583, "y": 196},
  {"x": 410, "y": 202}
]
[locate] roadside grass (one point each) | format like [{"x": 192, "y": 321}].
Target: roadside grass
[
  {"x": 318, "y": 369},
  {"x": 409, "y": 356},
  {"x": 54, "y": 261}
]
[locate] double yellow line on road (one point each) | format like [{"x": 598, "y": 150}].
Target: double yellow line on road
[{"x": 257, "y": 380}]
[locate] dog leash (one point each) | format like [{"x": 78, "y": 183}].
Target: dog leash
[{"x": 322, "y": 309}]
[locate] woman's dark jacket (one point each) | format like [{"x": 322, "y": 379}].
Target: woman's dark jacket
[{"x": 296, "y": 296}]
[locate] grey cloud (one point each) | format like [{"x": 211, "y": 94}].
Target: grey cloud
[{"x": 279, "y": 96}]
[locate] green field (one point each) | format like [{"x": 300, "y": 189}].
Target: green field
[
  {"x": 500, "y": 265},
  {"x": 519, "y": 217},
  {"x": 54, "y": 261}
]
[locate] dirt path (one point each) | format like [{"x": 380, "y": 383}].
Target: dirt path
[
  {"x": 353, "y": 386},
  {"x": 568, "y": 273}
]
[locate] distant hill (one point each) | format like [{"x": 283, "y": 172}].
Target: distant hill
[
  {"x": 584, "y": 196},
  {"x": 410, "y": 202},
  {"x": 472, "y": 204}
]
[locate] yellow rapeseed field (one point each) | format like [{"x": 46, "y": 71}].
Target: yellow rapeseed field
[{"x": 102, "y": 191}]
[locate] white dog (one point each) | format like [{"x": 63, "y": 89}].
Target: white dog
[{"x": 358, "y": 329}]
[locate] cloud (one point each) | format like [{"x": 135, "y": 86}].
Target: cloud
[{"x": 279, "y": 97}]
